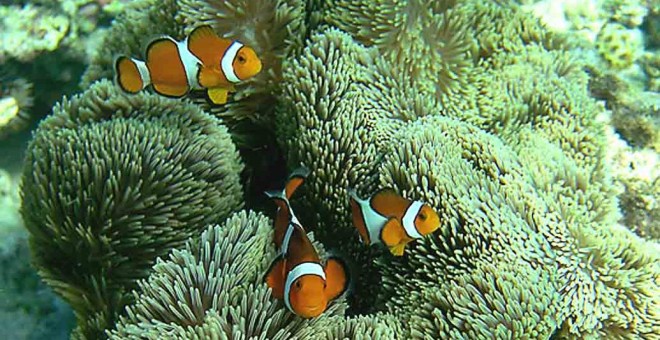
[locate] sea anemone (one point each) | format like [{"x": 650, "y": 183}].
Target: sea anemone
[{"x": 112, "y": 182}]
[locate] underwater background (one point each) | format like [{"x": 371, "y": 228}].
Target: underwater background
[{"x": 531, "y": 127}]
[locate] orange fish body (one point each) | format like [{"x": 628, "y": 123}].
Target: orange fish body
[
  {"x": 297, "y": 275},
  {"x": 202, "y": 61},
  {"x": 390, "y": 219}
]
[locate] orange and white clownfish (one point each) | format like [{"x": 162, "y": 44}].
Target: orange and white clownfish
[
  {"x": 390, "y": 219},
  {"x": 297, "y": 275},
  {"x": 285, "y": 218},
  {"x": 202, "y": 61}
]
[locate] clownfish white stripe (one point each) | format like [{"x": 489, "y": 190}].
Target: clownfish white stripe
[
  {"x": 227, "y": 62},
  {"x": 287, "y": 239},
  {"x": 305, "y": 268},
  {"x": 294, "y": 219},
  {"x": 408, "y": 219},
  {"x": 144, "y": 72},
  {"x": 281, "y": 195},
  {"x": 373, "y": 221},
  {"x": 191, "y": 63}
]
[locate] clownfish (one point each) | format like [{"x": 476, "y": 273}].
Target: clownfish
[
  {"x": 391, "y": 219},
  {"x": 202, "y": 61},
  {"x": 297, "y": 275},
  {"x": 285, "y": 217}
]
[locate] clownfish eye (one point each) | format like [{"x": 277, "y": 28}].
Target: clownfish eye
[
  {"x": 298, "y": 284},
  {"x": 241, "y": 59},
  {"x": 422, "y": 216}
]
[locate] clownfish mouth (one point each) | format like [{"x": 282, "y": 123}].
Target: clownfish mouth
[{"x": 311, "y": 311}]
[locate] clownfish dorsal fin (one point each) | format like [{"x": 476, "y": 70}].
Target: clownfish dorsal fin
[
  {"x": 276, "y": 275},
  {"x": 336, "y": 277},
  {"x": 206, "y": 45},
  {"x": 296, "y": 178},
  {"x": 389, "y": 203},
  {"x": 209, "y": 48}
]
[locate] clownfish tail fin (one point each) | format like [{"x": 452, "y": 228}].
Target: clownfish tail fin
[
  {"x": 279, "y": 197},
  {"x": 338, "y": 278},
  {"x": 296, "y": 178},
  {"x": 301, "y": 171},
  {"x": 276, "y": 195},
  {"x": 131, "y": 75},
  {"x": 353, "y": 195}
]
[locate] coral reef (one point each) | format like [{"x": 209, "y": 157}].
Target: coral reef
[
  {"x": 619, "y": 46},
  {"x": 124, "y": 37},
  {"x": 637, "y": 171},
  {"x": 214, "y": 289},
  {"x": 616, "y": 36},
  {"x": 651, "y": 27},
  {"x": 32, "y": 28},
  {"x": 15, "y": 104},
  {"x": 628, "y": 12},
  {"x": 636, "y": 117},
  {"x": 28, "y": 308},
  {"x": 634, "y": 142},
  {"x": 47, "y": 43},
  {"x": 651, "y": 65},
  {"x": 9, "y": 203},
  {"x": 28, "y": 31},
  {"x": 128, "y": 178}
]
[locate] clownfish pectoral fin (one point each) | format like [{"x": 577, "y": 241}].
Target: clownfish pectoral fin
[
  {"x": 208, "y": 77},
  {"x": 336, "y": 277},
  {"x": 131, "y": 75},
  {"x": 392, "y": 233},
  {"x": 275, "y": 277},
  {"x": 218, "y": 95},
  {"x": 296, "y": 178},
  {"x": 397, "y": 250}
]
